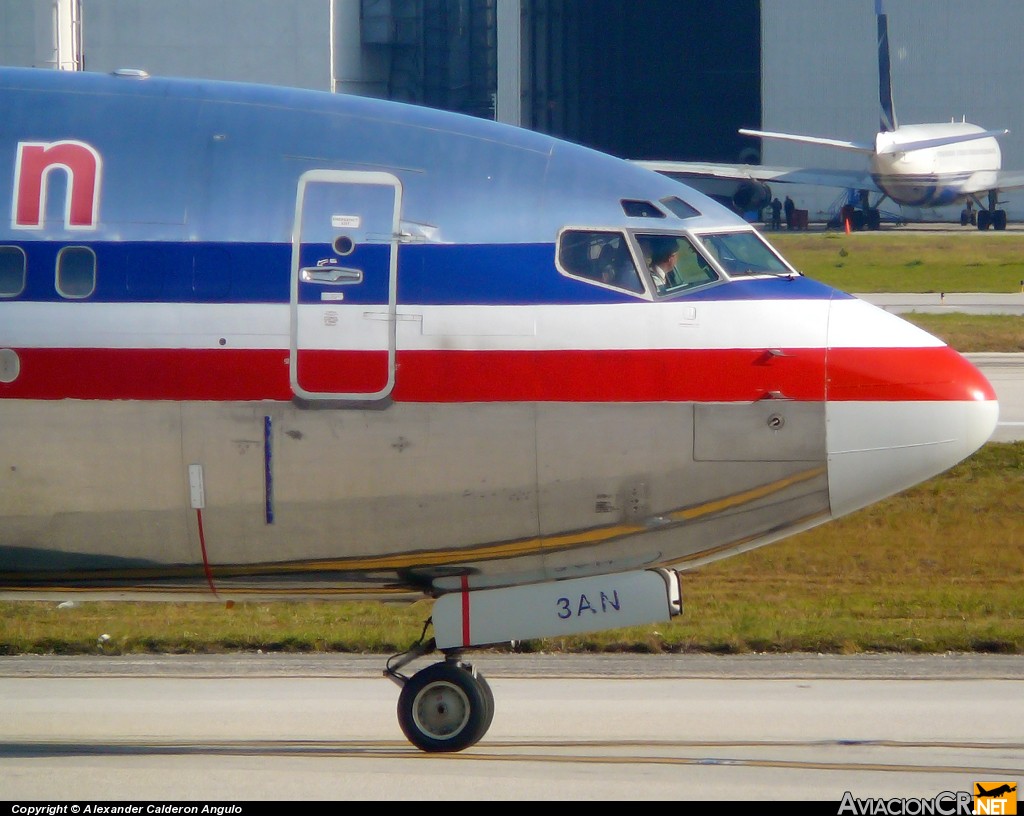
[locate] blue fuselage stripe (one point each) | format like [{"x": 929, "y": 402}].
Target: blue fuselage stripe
[{"x": 498, "y": 274}]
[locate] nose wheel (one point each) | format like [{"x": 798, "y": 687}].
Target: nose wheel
[{"x": 446, "y": 707}]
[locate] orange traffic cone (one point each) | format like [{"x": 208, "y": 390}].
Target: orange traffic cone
[{"x": 847, "y": 222}]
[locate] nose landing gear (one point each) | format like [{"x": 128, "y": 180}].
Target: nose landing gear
[{"x": 445, "y": 707}]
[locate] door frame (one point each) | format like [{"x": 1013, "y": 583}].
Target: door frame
[{"x": 356, "y": 177}]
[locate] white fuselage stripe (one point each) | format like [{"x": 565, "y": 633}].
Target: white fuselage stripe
[{"x": 699, "y": 325}]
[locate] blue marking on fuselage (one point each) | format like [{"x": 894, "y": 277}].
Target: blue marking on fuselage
[
  {"x": 268, "y": 469},
  {"x": 509, "y": 274},
  {"x": 924, "y": 190}
]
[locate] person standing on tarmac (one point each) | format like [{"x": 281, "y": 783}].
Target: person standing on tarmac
[{"x": 790, "y": 209}]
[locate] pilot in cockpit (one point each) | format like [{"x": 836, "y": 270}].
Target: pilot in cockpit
[
  {"x": 615, "y": 267},
  {"x": 664, "y": 255},
  {"x": 609, "y": 263}
]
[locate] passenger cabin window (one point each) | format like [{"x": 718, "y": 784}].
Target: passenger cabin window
[
  {"x": 76, "y": 272},
  {"x": 744, "y": 254},
  {"x": 600, "y": 257},
  {"x": 12, "y": 271},
  {"x": 674, "y": 263}
]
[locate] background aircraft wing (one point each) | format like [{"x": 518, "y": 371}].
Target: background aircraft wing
[
  {"x": 841, "y": 144},
  {"x": 816, "y": 176}
]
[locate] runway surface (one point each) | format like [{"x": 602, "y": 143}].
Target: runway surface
[
  {"x": 567, "y": 727},
  {"x": 947, "y": 302}
]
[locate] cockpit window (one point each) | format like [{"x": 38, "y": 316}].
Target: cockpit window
[
  {"x": 744, "y": 253},
  {"x": 601, "y": 257},
  {"x": 680, "y": 208},
  {"x": 674, "y": 263},
  {"x": 641, "y": 209}
]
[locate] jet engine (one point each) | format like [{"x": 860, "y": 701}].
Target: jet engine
[{"x": 751, "y": 195}]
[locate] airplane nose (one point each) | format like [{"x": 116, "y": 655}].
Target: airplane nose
[{"x": 901, "y": 406}]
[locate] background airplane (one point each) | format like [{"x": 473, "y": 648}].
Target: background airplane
[
  {"x": 920, "y": 165},
  {"x": 996, "y": 791},
  {"x": 259, "y": 343}
]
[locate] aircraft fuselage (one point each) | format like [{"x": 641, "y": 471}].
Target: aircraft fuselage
[
  {"x": 263, "y": 343},
  {"x": 935, "y": 176}
]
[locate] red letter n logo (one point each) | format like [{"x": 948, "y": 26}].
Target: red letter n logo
[{"x": 83, "y": 168}]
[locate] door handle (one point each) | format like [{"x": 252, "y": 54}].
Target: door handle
[{"x": 332, "y": 275}]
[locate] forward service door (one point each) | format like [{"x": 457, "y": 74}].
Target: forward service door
[{"x": 344, "y": 285}]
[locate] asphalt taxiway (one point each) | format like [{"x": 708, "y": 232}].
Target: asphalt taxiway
[
  {"x": 248, "y": 728},
  {"x": 988, "y": 303}
]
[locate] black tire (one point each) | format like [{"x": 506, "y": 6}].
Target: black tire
[
  {"x": 999, "y": 220},
  {"x": 489, "y": 698},
  {"x": 444, "y": 708},
  {"x": 873, "y": 218},
  {"x": 984, "y": 219}
]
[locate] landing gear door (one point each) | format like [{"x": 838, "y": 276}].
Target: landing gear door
[{"x": 344, "y": 285}]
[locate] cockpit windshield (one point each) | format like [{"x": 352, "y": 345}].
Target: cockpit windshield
[
  {"x": 743, "y": 254},
  {"x": 601, "y": 257},
  {"x": 674, "y": 263}
]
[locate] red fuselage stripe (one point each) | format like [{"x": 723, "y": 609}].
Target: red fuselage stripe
[
  {"x": 660, "y": 375},
  {"x": 888, "y": 375},
  {"x": 465, "y": 610}
]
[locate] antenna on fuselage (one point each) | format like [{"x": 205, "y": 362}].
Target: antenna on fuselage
[{"x": 888, "y": 118}]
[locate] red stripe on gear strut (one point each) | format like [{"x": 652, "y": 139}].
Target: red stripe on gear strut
[{"x": 465, "y": 610}]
